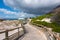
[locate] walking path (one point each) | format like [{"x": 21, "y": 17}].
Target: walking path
[{"x": 33, "y": 33}]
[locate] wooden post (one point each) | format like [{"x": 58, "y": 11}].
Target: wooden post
[
  {"x": 6, "y": 35},
  {"x": 23, "y": 27},
  {"x": 18, "y": 32}
]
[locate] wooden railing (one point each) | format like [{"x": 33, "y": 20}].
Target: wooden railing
[{"x": 12, "y": 36}]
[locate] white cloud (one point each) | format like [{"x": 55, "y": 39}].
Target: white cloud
[
  {"x": 33, "y": 6},
  {"x": 31, "y": 3},
  {"x": 24, "y": 15},
  {"x": 5, "y": 11},
  {"x": 17, "y": 14}
]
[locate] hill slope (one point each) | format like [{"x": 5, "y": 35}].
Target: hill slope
[
  {"x": 56, "y": 13},
  {"x": 55, "y": 19}
]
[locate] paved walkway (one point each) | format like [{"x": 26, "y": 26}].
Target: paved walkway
[{"x": 33, "y": 34}]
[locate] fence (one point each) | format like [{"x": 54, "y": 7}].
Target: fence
[{"x": 11, "y": 34}]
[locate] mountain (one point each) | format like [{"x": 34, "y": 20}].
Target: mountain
[
  {"x": 58, "y": 7},
  {"x": 9, "y": 19},
  {"x": 56, "y": 14}
]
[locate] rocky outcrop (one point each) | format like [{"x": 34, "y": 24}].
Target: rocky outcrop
[{"x": 56, "y": 13}]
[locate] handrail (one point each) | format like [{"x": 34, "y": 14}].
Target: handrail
[
  {"x": 6, "y": 32},
  {"x": 9, "y": 30}
]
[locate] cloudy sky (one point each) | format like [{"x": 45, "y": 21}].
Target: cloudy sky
[{"x": 26, "y": 8}]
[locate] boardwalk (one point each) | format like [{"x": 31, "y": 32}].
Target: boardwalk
[{"x": 33, "y": 34}]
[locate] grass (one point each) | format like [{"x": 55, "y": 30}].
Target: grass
[{"x": 54, "y": 25}]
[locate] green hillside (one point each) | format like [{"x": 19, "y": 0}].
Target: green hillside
[{"x": 54, "y": 25}]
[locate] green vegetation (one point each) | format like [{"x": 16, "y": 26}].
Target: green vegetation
[
  {"x": 41, "y": 17},
  {"x": 54, "y": 25}
]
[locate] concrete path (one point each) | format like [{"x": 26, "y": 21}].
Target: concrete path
[{"x": 33, "y": 34}]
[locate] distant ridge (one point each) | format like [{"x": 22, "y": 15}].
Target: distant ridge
[
  {"x": 58, "y": 6},
  {"x": 9, "y": 19},
  {"x": 56, "y": 14},
  {"x": 57, "y": 9}
]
